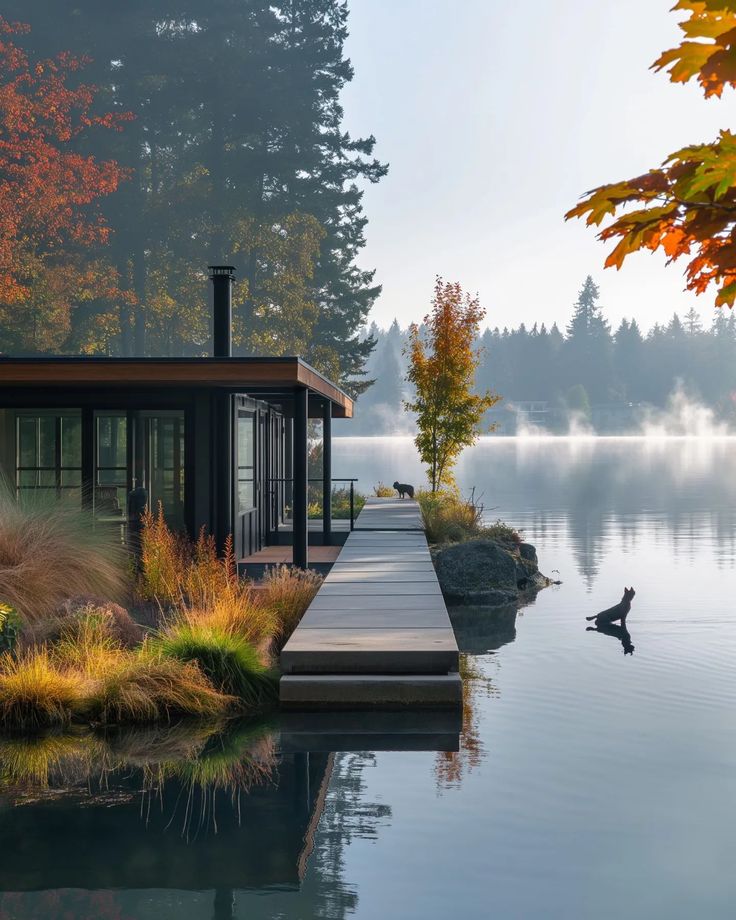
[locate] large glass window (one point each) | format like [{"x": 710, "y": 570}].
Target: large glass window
[
  {"x": 49, "y": 452},
  {"x": 111, "y": 465},
  {"x": 246, "y": 461}
]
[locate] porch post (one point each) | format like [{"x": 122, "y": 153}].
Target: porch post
[
  {"x": 88, "y": 458},
  {"x": 327, "y": 472},
  {"x": 222, "y": 451},
  {"x": 300, "y": 491}
]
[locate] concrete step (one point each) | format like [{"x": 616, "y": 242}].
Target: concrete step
[
  {"x": 361, "y": 650},
  {"x": 370, "y": 730},
  {"x": 314, "y": 691}
]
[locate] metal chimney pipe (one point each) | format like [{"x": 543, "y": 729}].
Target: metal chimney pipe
[{"x": 222, "y": 277}]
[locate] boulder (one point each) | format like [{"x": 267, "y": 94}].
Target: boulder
[
  {"x": 528, "y": 552},
  {"x": 486, "y": 572}
]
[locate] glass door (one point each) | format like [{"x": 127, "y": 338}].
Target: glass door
[{"x": 158, "y": 463}]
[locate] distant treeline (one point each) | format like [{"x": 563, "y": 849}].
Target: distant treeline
[{"x": 586, "y": 372}]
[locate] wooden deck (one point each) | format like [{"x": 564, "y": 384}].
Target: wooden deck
[
  {"x": 378, "y": 633},
  {"x": 279, "y": 555}
]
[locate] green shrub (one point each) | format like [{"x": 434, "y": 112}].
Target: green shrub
[
  {"x": 503, "y": 533},
  {"x": 384, "y": 491},
  {"x": 341, "y": 504}
]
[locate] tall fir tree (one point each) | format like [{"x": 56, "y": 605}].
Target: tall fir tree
[{"x": 588, "y": 346}]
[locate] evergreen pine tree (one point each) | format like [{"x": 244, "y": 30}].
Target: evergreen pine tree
[{"x": 588, "y": 347}]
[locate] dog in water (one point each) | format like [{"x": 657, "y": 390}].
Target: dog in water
[
  {"x": 403, "y": 489},
  {"x": 619, "y": 612},
  {"x": 605, "y": 621}
]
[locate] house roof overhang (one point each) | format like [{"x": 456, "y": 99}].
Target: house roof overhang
[{"x": 283, "y": 374}]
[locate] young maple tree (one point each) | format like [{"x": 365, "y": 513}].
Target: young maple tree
[
  {"x": 442, "y": 368},
  {"x": 50, "y": 226},
  {"x": 686, "y": 207}
]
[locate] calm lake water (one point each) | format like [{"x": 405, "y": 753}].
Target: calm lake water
[{"x": 588, "y": 784}]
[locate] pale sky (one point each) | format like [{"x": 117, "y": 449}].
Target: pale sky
[{"x": 495, "y": 116}]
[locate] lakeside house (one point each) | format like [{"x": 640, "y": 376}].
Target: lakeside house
[{"x": 219, "y": 442}]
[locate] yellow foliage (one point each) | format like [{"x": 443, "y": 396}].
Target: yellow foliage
[{"x": 442, "y": 370}]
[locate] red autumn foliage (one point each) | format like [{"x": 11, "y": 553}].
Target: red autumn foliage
[{"x": 49, "y": 188}]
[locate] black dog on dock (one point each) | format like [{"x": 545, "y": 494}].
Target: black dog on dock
[{"x": 403, "y": 489}]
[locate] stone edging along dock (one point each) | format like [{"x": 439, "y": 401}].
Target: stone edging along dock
[{"x": 378, "y": 633}]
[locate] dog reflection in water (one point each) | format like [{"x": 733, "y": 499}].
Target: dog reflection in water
[
  {"x": 606, "y": 621},
  {"x": 620, "y": 632}
]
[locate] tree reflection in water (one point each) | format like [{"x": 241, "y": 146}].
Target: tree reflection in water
[{"x": 480, "y": 632}]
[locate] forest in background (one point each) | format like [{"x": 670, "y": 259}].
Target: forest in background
[
  {"x": 234, "y": 152},
  {"x": 584, "y": 374}
]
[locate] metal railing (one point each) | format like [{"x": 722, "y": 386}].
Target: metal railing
[{"x": 352, "y": 482}]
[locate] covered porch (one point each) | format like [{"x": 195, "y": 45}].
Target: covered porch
[{"x": 216, "y": 443}]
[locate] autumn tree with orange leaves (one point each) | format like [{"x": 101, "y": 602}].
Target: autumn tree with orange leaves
[
  {"x": 686, "y": 207},
  {"x": 50, "y": 228},
  {"x": 443, "y": 362}
]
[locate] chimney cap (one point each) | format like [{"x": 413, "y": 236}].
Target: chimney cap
[{"x": 216, "y": 270}]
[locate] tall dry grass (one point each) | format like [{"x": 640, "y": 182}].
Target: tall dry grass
[
  {"x": 196, "y": 587},
  {"x": 75, "y": 614},
  {"x": 175, "y": 571},
  {"x": 287, "y": 593},
  {"x": 37, "y": 691},
  {"x": 50, "y": 552},
  {"x": 87, "y": 675},
  {"x": 133, "y": 686},
  {"x": 450, "y": 517}
]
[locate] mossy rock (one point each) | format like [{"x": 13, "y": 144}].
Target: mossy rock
[{"x": 486, "y": 572}]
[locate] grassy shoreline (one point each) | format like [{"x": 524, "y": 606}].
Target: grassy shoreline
[{"x": 71, "y": 655}]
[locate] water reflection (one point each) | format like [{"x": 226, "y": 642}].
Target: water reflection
[
  {"x": 618, "y": 632},
  {"x": 479, "y": 631},
  {"x": 188, "y": 808},
  {"x": 589, "y": 492}
]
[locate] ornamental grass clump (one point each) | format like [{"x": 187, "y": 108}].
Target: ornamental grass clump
[
  {"x": 133, "y": 686},
  {"x": 75, "y": 614},
  {"x": 287, "y": 593},
  {"x": 50, "y": 552},
  {"x": 225, "y": 656},
  {"x": 36, "y": 691},
  {"x": 149, "y": 687},
  {"x": 175, "y": 572}
]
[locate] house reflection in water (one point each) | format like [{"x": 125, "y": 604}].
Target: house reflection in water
[
  {"x": 150, "y": 840},
  {"x": 262, "y": 838}
]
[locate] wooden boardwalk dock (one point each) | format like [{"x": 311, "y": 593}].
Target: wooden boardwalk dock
[{"x": 378, "y": 632}]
